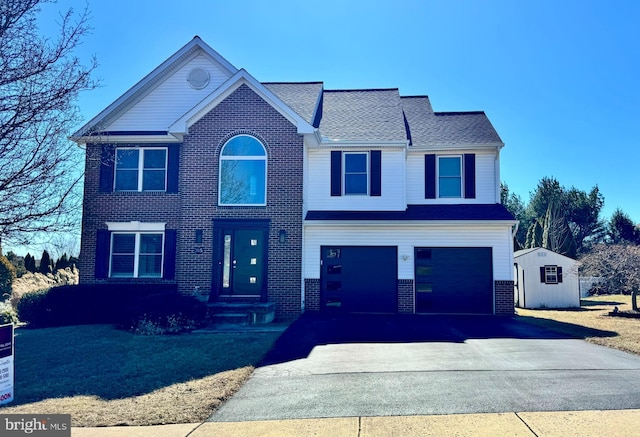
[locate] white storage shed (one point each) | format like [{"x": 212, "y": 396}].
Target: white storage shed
[{"x": 545, "y": 279}]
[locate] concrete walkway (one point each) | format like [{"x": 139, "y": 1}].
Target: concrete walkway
[{"x": 610, "y": 423}]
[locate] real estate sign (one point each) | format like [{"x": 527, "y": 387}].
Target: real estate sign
[{"x": 6, "y": 364}]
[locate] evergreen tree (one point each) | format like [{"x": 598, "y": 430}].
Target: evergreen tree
[
  {"x": 62, "y": 263},
  {"x": 45, "y": 263},
  {"x": 30, "y": 263},
  {"x": 621, "y": 229},
  {"x": 534, "y": 235},
  {"x": 557, "y": 235}
]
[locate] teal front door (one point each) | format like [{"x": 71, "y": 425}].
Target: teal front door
[{"x": 241, "y": 261}]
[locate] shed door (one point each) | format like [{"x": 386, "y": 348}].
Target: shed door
[
  {"x": 359, "y": 279},
  {"x": 454, "y": 280}
]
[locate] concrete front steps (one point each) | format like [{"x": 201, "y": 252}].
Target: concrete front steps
[{"x": 222, "y": 314}]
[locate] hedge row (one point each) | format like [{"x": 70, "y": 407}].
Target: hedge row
[{"x": 120, "y": 304}]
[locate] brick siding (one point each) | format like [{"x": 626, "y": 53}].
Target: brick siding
[
  {"x": 311, "y": 294},
  {"x": 196, "y": 205},
  {"x": 504, "y": 298},
  {"x": 405, "y": 296}
]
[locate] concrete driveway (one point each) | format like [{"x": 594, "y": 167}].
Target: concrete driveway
[{"x": 376, "y": 365}]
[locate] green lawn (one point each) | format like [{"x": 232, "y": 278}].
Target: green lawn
[{"x": 68, "y": 369}]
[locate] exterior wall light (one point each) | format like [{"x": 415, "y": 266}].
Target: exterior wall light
[{"x": 282, "y": 236}]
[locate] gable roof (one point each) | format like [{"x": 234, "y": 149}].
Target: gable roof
[
  {"x": 523, "y": 252},
  {"x": 428, "y": 128},
  {"x": 302, "y": 97},
  {"x": 188, "y": 51},
  {"x": 362, "y": 115},
  {"x": 359, "y": 115},
  {"x": 181, "y": 126}
]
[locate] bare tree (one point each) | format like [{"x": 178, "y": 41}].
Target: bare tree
[
  {"x": 39, "y": 82},
  {"x": 618, "y": 268}
]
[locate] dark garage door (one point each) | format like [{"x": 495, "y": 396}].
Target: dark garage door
[
  {"x": 454, "y": 280},
  {"x": 359, "y": 279}
]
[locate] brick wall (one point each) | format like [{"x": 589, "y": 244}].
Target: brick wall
[
  {"x": 312, "y": 294},
  {"x": 243, "y": 112},
  {"x": 405, "y": 296},
  {"x": 195, "y": 206},
  {"x": 504, "y": 298},
  {"x": 99, "y": 208}
]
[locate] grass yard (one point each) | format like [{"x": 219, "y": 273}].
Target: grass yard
[
  {"x": 104, "y": 377},
  {"x": 592, "y": 322}
]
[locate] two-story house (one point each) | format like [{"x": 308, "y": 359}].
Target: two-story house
[{"x": 313, "y": 199}]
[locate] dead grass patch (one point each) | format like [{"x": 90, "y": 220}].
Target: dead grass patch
[
  {"x": 107, "y": 377},
  {"x": 188, "y": 402},
  {"x": 592, "y": 322}
]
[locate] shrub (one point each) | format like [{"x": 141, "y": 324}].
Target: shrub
[
  {"x": 7, "y": 275},
  {"x": 122, "y": 304},
  {"x": 7, "y": 314},
  {"x": 170, "y": 324},
  {"x": 18, "y": 263}
]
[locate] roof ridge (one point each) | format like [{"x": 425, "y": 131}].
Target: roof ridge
[
  {"x": 292, "y": 83},
  {"x": 457, "y": 112},
  {"x": 415, "y": 97},
  {"x": 361, "y": 89}
]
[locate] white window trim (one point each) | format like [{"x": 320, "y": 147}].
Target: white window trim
[
  {"x": 546, "y": 275},
  {"x": 243, "y": 158},
  {"x": 460, "y": 157},
  {"x": 136, "y": 226},
  {"x": 136, "y": 255},
  {"x": 344, "y": 173},
  {"x": 141, "y": 151}
]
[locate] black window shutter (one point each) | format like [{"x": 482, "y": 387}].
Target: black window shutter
[
  {"x": 430, "y": 176},
  {"x": 336, "y": 173},
  {"x": 469, "y": 176},
  {"x": 170, "y": 244},
  {"x": 173, "y": 165},
  {"x": 107, "y": 164},
  {"x": 376, "y": 173},
  {"x": 559, "y": 274},
  {"x": 543, "y": 276},
  {"x": 103, "y": 248}
]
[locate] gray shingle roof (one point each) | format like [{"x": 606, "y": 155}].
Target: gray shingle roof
[
  {"x": 362, "y": 115},
  {"x": 301, "y": 97},
  {"x": 428, "y": 128},
  {"x": 379, "y": 114}
]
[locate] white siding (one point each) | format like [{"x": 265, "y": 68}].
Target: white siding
[
  {"x": 393, "y": 184},
  {"x": 485, "y": 179},
  {"x": 406, "y": 238},
  {"x": 531, "y": 293},
  {"x": 169, "y": 100}
]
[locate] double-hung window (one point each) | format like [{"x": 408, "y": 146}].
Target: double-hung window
[
  {"x": 140, "y": 169},
  {"x": 356, "y": 179},
  {"x": 449, "y": 176},
  {"x": 136, "y": 254}
]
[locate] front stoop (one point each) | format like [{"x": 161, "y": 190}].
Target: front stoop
[{"x": 242, "y": 314}]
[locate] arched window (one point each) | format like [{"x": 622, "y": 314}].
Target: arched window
[{"x": 243, "y": 172}]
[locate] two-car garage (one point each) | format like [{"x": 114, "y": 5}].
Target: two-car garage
[{"x": 446, "y": 279}]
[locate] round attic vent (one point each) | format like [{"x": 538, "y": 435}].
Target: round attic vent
[{"x": 198, "y": 78}]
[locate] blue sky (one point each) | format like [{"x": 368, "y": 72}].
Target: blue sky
[{"x": 558, "y": 79}]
